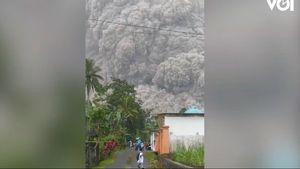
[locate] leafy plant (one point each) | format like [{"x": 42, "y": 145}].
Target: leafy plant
[
  {"x": 92, "y": 76},
  {"x": 114, "y": 111},
  {"x": 192, "y": 155}
]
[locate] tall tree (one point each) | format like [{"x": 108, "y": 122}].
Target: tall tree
[
  {"x": 128, "y": 107},
  {"x": 120, "y": 89},
  {"x": 92, "y": 76}
]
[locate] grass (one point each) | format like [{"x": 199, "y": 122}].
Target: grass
[
  {"x": 104, "y": 163},
  {"x": 191, "y": 156},
  {"x": 153, "y": 159},
  {"x": 150, "y": 155}
]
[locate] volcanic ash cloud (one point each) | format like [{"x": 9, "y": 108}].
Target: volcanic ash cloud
[{"x": 166, "y": 67}]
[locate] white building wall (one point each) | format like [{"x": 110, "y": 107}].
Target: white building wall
[
  {"x": 152, "y": 141},
  {"x": 188, "y": 131},
  {"x": 183, "y": 126}
]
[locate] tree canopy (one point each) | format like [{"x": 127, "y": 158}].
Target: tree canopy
[
  {"x": 92, "y": 76},
  {"x": 116, "y": 110}
]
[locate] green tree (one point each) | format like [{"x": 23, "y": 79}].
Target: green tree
[
  {"x": 128, "y": 107},
  {"x": 130, "y": 110},
  {"x": 117, "y": 112},
  {"x": 182, "y": 110},
  {"x": 120, "y": 89},
  {"x": 92, "y": 76},
  {"x": 123, "y": 99}
]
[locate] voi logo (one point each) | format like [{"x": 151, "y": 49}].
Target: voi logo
[{"x": 282, "y": 5}]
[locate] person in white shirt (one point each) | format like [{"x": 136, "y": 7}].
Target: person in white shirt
[{"x": 140, "y": 159}]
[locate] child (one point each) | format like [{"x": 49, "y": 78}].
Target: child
[
  {"x": 140, "y": 159},
  {"x": 130, "y": 144}
]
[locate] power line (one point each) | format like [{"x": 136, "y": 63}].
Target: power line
[
  {"x": 195, "y": 36},
  {"x": 186, "y": 34},
  {"x": 167, "y": 34},
  {"x": 148, "y": 27}
]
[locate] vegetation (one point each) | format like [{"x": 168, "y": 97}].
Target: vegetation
[
  {"x": 191, "y": 156},
  {"x": 154, "y": 161},
  {"x": 114, "y": 112},
  {"x": 182, "y": 110},
  {"x": 107, "y": 161},
  {"x": 92, "y": 76}
]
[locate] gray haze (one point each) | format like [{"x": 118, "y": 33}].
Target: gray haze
[{"x": 167, "y": 67}]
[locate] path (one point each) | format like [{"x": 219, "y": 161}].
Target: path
[{"x": 126, "y": 159}]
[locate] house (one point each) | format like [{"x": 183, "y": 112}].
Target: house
[{"x": 178, "y": 128}]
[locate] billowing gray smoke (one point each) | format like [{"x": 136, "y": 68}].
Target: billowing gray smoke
[{"x": 157, "y": 45}]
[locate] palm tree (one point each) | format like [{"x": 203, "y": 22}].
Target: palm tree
[
  {"x": 128, "y": 108},
  {"x": 91, "y": 75},
  {"x": 129, "y": 112}
]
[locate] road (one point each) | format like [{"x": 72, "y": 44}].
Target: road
[{"x": 127, "y": 159}]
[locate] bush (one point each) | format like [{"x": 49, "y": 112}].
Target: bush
[
  {"x": 108, "y": 144},
  {"x": 191, "y": 156}
]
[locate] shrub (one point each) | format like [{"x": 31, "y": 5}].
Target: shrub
[{"x": 108, "y": 144}]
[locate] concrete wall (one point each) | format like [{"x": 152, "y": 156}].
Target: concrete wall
[
  {"x": 185, "y": 140},
  {"x": 162, "y": 141},
  {"x": 185, "y": 130},
  {"x": 185, "y": 126}
]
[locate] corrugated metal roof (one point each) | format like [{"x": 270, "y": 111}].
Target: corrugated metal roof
[{"x": 194, "y": 110}]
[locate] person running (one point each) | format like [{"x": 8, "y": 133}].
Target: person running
[{"x": 140, "y": 159}]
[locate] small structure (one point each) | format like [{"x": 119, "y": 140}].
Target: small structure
[
  {"x": 92, "y": 150},
  {"x": 179, "y": 128}
]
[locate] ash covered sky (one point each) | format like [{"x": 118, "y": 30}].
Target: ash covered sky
[{"x": 157, "y": 45}]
